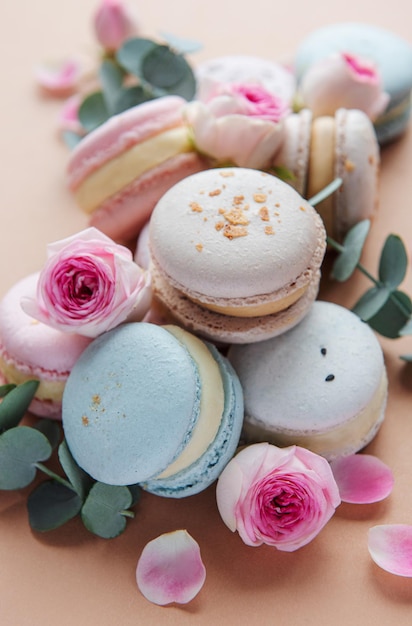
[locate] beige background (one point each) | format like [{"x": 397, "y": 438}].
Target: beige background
[{"x": 71, "y": 577}]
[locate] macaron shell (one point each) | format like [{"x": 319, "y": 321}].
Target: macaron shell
[
  {"x": 216, "y": 327},
  {"x": 294, "y": 151},
  {"x": 357, "y": 163},
  {"x": 130, "y": 404},
  {"x": 315, "y": 379},
  {"x": 228, "y": 234},
  {"x": 208, "y": 467}
]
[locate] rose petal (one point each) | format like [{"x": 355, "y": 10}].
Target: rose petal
[
  {"x": 390, "y": 546},
  {"x": 170, "y": 569},
  {"x": 228, "y": 490},
  {"x": 362, "y": 478},
  {"x": 59, "y": 79}
]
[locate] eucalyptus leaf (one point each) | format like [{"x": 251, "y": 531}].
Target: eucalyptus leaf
[
  {"x": 15, "y": 404},
  {"x": 407, "y": 329},
  {"x": 111, "y": 78},
  {"x": 71, "y": 139},
  {"x": 131, "y": 54},
  {"x": 93, "y": 111},
  {"x": 393, "y": 262},
  {"x": 326, "y": 192},
  {"x": 129, "y": 97},
  {"x": 20, "y": 449},
  {"x": 5, "y": 389},
  {"x": 391, "y": 319},
  {"x": 345, "y": 264},
  {"x": 136, "y": 492},
  {"x": 50, "y": 429},
  {"x": 182, "y": 46},
  {"x": 81, "y": 481},
  {"x": 371, "y": 302},
  {"x": 406, "y": 357},
  {"x": 282, "y": 172},
  {"x": 51, "y": 505},
  {"x": 163, "y": 67},
  {"x": 103, "y": 511}
]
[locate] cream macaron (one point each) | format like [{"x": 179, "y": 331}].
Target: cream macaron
[
  {"x": 235, "y": 254},
  {"x": 316, "y": 151},
  {"x": 322, "y": 385}
]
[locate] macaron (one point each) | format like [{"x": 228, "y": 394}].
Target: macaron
[
  {"x": 316, "y": 151},
  {"x": 241, "y": 68},
  {"x": 322, "y": 385},
  {"x": 391, "y": 54},
  {"x": 235, "y": 254},
  {"x": 119, "y": 171},
  {"x": 32, "y": 350},
  {"x": 154, "y": 406}
]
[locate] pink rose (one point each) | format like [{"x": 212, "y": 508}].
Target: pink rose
[
  {"x": 343, "y": 81},
  {"x": 240, "y": 125},
  {"x": 279, "y": 496},
  {"x": 89, "y": 285},
  {"x": 59, "y": 79},
  {"x": 113, "y": 24}
]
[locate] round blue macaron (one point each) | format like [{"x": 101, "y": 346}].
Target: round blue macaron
[
  {"x": 391, "y": 54},
  {"x": 133, "y": 403}
]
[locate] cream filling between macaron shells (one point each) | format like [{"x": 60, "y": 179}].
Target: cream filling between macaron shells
[
  {"x": 123, "y": 169},
  {"x": 212, "y": 403},
  {"x": 346, "y": 438},
  {"x": 47, "y": 390}
]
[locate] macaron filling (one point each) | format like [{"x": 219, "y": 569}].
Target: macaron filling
[
  {"x": 321, "y": 166},
  {"x": 18, "y": 373},
  {"x": 126, "y": 167},
  {"x": 212, "y": 402}
]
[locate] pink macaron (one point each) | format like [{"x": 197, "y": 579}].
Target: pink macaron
[
  {"x": 316, "y": 151},
  {"x": 32, "y": 350},
  {"x": 120, "y": 170}
]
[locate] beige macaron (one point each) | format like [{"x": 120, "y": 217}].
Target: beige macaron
[{"x": 235, "y": 254}]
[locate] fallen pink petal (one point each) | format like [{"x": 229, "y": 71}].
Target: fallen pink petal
[
  {"x": 170, "y": 569},
  {"x": 59, "y": 79},
  {"x": 362, "y": 478},
  {"x": 390, "y": 546}
]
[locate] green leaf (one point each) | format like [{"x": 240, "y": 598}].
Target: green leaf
[
  {"x": 20, "y": 449},
  {"x": 326, "y": 192},
  {"x": 136, "y": 491},
  {"x": 104, "y": 509},
  {"x": 129, "y": 97},
  {"x": 282, "y": 172},
  {"x": 111, "y": 78},
  {"x": 51, "y": 505},
  {"x": 181, "y": 46},
  {"x": 16, "y": 403},
  {"x": 390, "y": 319},
  {"x": 131, "y": 54},
  {"x": 171, "y": 72},
  {"x": 371, "y": 302},
  {"x": 71, "y": 139},
  {"x": 407, "y": 329},
  {"x": 93, "y": 111},
  {"x": 393, "y": 262},
  {"x": 50, "y": 429},
  {"x": 5, "y": 389},
  {"x": 345, "y": 264},
  {"x": 81, "y": 481}
]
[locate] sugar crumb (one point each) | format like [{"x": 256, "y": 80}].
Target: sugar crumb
[
  {"x": 199, "y": 247},
  {"x": 195, "y": 206},
  {"x": 85, "y": 420},
  {"x": 302, "y": 208},
  {"x": 349, "y": 165},
  {"x": 259, "y": 197},
  {"x": 227, "y": 173},
  {"x": 269, "y": 230},
  {"x": 219, "y": 225},
  {"x": 264, "y": 214},
  {"x": 215, "y": 192},
  {"x": 232, "y": 232},
  {"x": 238, "y": 200}
]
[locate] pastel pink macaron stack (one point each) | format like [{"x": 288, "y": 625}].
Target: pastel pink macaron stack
[
  {"x": 119, "y": 171},
  {"x": 31, "y": 350}
]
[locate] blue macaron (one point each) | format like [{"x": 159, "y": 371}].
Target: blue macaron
[
  {"x": 154, "y": 406},
  {"x": 391, "y": 54}
]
